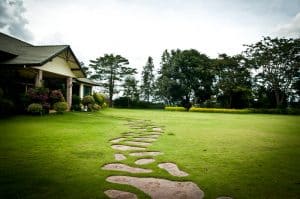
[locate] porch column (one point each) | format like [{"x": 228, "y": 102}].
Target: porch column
[
  {"x": 39, "y": 78},
  {"x": 81, "y": 90},
  {"x": 69, "y": 91}
]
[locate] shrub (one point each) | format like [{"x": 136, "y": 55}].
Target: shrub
[
  {"x": 175, "y": 108},
  {"x": 35, "y": 108},
  {"x": 76, "y": 103},
  {"x": 88, "y": 100},
  {"x": 94, "y": 107},
  {"x": 60, "y": 107},
  {"x": 7, "y": 107},
  {"x": 56, "y": 96},
  {"x": 99, "y": 98},
  {"x": 38, "y": 95}
]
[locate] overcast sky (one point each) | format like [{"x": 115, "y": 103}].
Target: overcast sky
[{"x": 137, "y": 29}]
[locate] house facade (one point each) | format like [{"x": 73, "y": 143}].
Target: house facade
[{"x": 24, "y": 66}]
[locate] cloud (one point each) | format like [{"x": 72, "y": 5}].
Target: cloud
[
  {"x": 290, "y": 29},
  {"x": 12, "y": 20}
]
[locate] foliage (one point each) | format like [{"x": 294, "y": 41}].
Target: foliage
[
  {"x": 86, "y": 100},
  {"x": 126, "y": 102},
  {"x": 76, "y": 106},
  {"x": 56, "y": 96},
  {"x": 99, "y": 98},
  {"x": 96, "y": 107},
  {"x": 7, "y": 107},
  {"x": 276, "y": 64},
  {"x": 122, "y": 102},
  {"x": 175, "y": 108},
  {"x": 35, "y": 108},
  {"x": 233, "y": 81},
  {"x": 184, "y": 75},
  {"x": 147, "y": 87},
  {"x": 38, "y": 95},
  {"x": 60, "y": 107},
  {"x": 111, "y": 69},
  {"x": 130, "y": 88}
]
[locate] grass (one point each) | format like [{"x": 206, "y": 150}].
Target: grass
[{"x": 237, "y": 155}]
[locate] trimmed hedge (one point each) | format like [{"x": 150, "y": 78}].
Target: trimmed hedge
[
  {"x": 175, "y": 108},
  {"x": 289, "y": 111},
  {"x": 219, "y": 110}
]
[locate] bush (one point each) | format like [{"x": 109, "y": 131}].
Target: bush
[
  {"x": 99, "y": 98},
  {"x": 38, "y": 95},
  {"x": 7, "y": 107},
  {"x": 56, "y": 96},
  {"x": 76, "y": 103},
  {"x": 60, "y": 107},
  {"x": 175, "y": 108},
  {"x": 35, "y": 109},
  {"x": 219, "y": 110},
  {"x": 88, "y": 100}
]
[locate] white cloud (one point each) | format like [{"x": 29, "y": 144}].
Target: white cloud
[
  {"x": 138, "y": 29},
  {"x": 290, "y": 29}
]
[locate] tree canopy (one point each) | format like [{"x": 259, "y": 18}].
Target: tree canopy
[{"x": 109, "y": 70}]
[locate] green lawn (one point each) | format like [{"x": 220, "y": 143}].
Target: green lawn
[{"x": 239, "y": 155}]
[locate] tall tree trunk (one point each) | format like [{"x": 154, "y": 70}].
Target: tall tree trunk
[{"x": 279, "y": 99}]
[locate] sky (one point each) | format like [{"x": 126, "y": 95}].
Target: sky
[{"x": 136, "y": 29}]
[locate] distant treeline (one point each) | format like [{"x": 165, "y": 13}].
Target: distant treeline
[{"x": 265, "y": 75}]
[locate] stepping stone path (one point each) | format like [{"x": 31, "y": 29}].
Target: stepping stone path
[
  {"x": 144, "y": 161},
  {"x": 120, "y": 157},
  {"x": 172, "y": 169},
  {"x": 161, "y": 188},
  {"x": 147, "y": 153},
  {"x": 141, "y": 135},
  {"x": 116, "y": 194},
  {"x": 124, "y": 167},
  {"x": 126, "y": 148},
  {"x": 138, "y": 143},
  {"x": 117, "y": 140}
]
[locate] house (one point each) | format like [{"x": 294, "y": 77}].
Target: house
[{"x": 23, "y": 65}]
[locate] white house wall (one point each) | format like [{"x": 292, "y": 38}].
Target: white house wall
[{"x": 58, "y": 66}]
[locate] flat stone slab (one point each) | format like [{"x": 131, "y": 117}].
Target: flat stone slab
[
  {"x": 146, "y": 153},
  {"x": 144, "y": 161},
  {"x": 161, "y": 188},
  {"x": 126, "y": 148},
  {"x": 151, "y": 136},
  {"x": 157, "y": 129},
  {"x": 138, "y": 143},
  {"x": 117, "y": 140},
  {"x": 124, "y": 167},
  {"x": 117, "y": 194},
  {"x": 172, "y": 169},
  {"x": 120, "y": 157},
  {"x": 154, "y": 133},
  {"x": 143, "y": 139}
]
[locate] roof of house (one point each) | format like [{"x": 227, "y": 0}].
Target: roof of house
[
  {"x": 14, "y": 52},
  {"x": 87, "y": 81}
]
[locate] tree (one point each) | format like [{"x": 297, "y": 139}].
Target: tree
[
  {"x": 184, "y": 75},
  {"x": 86, "y": 69},
  {"x": 110, "y": 69},
  {"x": 276, "y": 65},
  {"x": 233, "y": 81},
  {"x": 130, "y": 88},
  {"x": 147, "y": 80}
]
